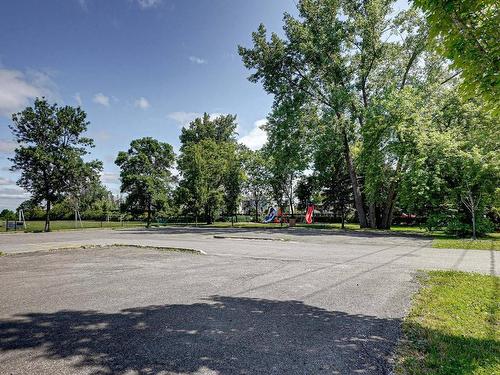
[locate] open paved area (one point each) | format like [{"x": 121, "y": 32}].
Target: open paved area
[{"x": 257, "y": 302}]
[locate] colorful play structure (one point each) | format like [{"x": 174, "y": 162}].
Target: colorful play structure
[{"x": 276, "y": 216}]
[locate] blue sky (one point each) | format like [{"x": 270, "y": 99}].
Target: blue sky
[{"x": 137, "y": 67}]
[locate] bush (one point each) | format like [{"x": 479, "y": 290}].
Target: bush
[
  {"x": 436, "y": 221},
  {"x": 458, "y": 227}
]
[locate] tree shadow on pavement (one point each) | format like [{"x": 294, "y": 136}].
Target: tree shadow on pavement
[{"x": 222, "y": 335}]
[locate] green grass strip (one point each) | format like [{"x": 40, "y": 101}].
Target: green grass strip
[{"x": 453, "y": 326}]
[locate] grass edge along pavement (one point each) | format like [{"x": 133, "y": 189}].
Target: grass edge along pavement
[
  {"x": 109, "y": 246},
  {"x": 65, "y": 225},
  {"x": 440, "y": 239},
  {"x": 452, "y": 326}
]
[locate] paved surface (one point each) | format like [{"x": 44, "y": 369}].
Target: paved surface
[{"x": 260, "y": 302}]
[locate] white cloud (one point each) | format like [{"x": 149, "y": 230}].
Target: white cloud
[
  {"x": 12, "y": 196},
  {"x": 197, "y": 60},
  {"x": 183, "y": 118},
  {"x": 110, "y": 178},
  {"x": 6, "y": 146},
  {"x": 257, "y": 137},
  {"x": 83, "y": 5},
  {"x": 144, "y": 4},
  {"x": 101, "y": 99},
  {"x": 18, "y": 88},
  {"x": 78, "y": 99},
  {"x": 6, "y": 181},
  {"x": 142, "y": 103}
]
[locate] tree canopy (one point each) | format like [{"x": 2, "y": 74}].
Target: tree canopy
[
  {"x": 467, "y": 33},
  {"x": 210, "y": 166},
  {"x": 146, "y": 175},
  {"x": 50, "y": 150}
]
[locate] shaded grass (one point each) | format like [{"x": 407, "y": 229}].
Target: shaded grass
[
  {"x": 453, "y": 326},
  {"x": 56, "y": 225},
  {"x": 252, "y": 225}
]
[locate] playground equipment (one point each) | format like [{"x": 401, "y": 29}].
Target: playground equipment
[
  {"x": 309, "y": 214},
  {"x": 271, "y": 215}
]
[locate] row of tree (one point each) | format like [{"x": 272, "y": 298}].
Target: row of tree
[{"x": 368, "y": 117}]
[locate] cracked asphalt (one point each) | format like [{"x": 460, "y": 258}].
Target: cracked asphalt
[{"x": 294, "y": 301}]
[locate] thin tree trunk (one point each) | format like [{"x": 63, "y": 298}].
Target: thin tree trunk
[
  {"x": 149, "y": 217},
  {"x": 391, "y": 199},
  {"x": 256, "y": 211},
  {"x": 47, "y": 217},
  {"x": 358, "y": 199},
  {"x": 474, "y": 237}
]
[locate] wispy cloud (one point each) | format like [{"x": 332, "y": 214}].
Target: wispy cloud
[
  {"x": 145, "y": 4},
  {"x": 197, "y": 60},
  {"x": 6, "y": 181},
  {"x": 83, "y": 5},
  {"x": 78, "y": 99},
  {"x": 142, "y": 103},
  {"x": 101, "y": 99},
  {"x": 18, "y": 88},
  {"x": 183, "y": 118},
  {"x": 257, "y": 137},
  {"x": 7, "y": 146},
  {"x": 110, "y": 178}
]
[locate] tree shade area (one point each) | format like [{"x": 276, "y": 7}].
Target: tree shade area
[{"x": 380, "y": 117}]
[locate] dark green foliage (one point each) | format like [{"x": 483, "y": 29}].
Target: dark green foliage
[
  {"x": 467, "y": 33},
  {"x": 210, "y": 166},
  {"x": 459, "y": 226},
  {"x": 146, "y": 176},
  {"x": 50, "y": 150},
  {"x": 7, "y": 214}
]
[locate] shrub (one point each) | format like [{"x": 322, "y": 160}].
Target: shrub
[
  {"x": 458, "y": 227},
  {"x": 436, "y": 221}
]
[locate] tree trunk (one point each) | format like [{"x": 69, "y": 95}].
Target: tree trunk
[
  {"x": 148, "y": 222},
  {"x": 256, "y": 211},
  {"x": 388, "y": 210},
  {"x": 391, "y": 198},
  {"x": 372, "y": 213},
  {"x": 474, "y": 236},
  {"x": 358, "y": 199},
  {"x": 47, "y": 217}
]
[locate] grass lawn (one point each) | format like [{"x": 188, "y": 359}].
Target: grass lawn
[
  {"x": 37, "y": 226},
  {"x": 491, "y": 242},
  {"x": 348, "y": 226},
  {"x": 453, "y": 326}
]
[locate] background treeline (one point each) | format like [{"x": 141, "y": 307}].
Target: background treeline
[{"x": 370, "y": 122}]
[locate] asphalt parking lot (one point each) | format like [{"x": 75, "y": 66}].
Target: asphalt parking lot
[{"x": 256, "y": 302}]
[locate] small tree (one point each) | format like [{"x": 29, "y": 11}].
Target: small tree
[
  {"x": 207, "y": 166},
  {"x": 145, "y": 175},
  {"x": 50, "y": 150},
  {"x": 478, "y": 176},
  {"x": 256, "y": 179},
  {"x": 7, "y": 214}
]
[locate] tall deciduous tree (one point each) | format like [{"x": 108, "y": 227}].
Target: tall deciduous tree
[
  {"x": 339, "y": 56},
  {"x": 257, "y": 179},
  {"x": 467, "y": 33},
  {"x": 50, "y": 150},
  {"x": 209, "y": 166},
  {"x": 146, "y": 175}
]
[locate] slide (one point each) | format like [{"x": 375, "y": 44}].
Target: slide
[
  {"x": 270, "y": 216},
  {"x": 309, "y": 214}
]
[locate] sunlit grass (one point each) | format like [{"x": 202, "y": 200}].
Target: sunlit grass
[
  {"x": 38, "y": 226},
  {"x": 452, "y": 327}
]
